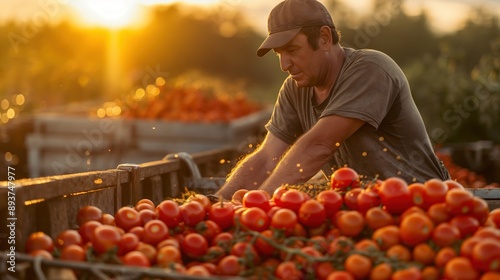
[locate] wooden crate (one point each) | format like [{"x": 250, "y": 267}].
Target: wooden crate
[
  {"x": 50, "y": 204},
  {"x": 491, "y": 196}
]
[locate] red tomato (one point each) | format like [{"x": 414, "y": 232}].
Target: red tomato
[
  {"x": 453, "y": 184},
  {"x": 144, "y": 206},
  {"x": 435, "y": 192},
  {"x": 291, "y": 199},
  {"x": 284, "y": 219},
  {"x": 147, "y": 215},
  {"x": 88, "y": 213},
  {"x": 127, "y": 218},
  {"x": 214, "y": 254},
  {"x": 192, "y": 213},
  {"x": 136, "y": 258},
  {"x": 332, "y": 201},
  {"x": 245, "y": 250},
  {"x": 128, "y": 242},
  {"x": 209, "y": 229},
  {"x": 394, "y": 195},
  {"x": 73, "y": 253},
  {"x": 237, "y": 197},
  {"x": 459, "y": 201},
  {"x": 288, "y": 270},
  {"x": 367, "y": 199},
  {"x": 417, "y": 193},
  {"x": 312, "y": 213},
  {"x": 108, "y": 219},
  {"x": 39, "y": 241},
  {"x": 351, "y": 198},
  {"x": 154, "y": 232},
  {"x": 480, "y": 209},
  {"x": 264, "y": 247},
  {"x": 445, "y": 234},
  {"x": 254, "y": 219},
  {"x": 466, "y": 224},
  {"x": 202, "y": 199},
  {"x": 145, "y": 201},
  {"x": 169, "y": 212},
  {"x": 377, "y": 217},
  {"x": 222, "y": 214},
  {"x": 416, "y": 228},
  {"x": 194, "y": 245},
  {"x": 256, "y": 198},
  {"x": 486, "y": 255},
  {"x": 168, "y": 255},
  {"x": 105, "y": 237},
  {"x": 344, "y": 178},
  {"x": 350, "y": 223},
  {"x": 278, "y": 193},
  {"x": 224, "y": 240},
  {"x": 87, "y": 230},
  {"x": 230, "y": 266},
  {"x": 460, "y": 268},
  {"x": 68, "y": 237}
]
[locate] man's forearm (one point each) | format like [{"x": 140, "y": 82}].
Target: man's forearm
[{"x": 249, "y": 174}]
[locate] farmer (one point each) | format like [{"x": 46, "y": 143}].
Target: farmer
[{"x": 338, "y": 107}]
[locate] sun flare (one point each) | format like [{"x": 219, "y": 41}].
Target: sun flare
[{"x": 108, "y": 13}]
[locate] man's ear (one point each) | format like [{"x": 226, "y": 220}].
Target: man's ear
[{"x": 325, "y": 37}]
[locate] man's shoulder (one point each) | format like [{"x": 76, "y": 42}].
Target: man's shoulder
[{"x": 367, "y": 55}]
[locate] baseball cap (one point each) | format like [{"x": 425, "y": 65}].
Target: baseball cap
[{"x": 286, "y": 19}]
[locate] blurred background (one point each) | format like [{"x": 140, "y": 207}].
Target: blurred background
[{"x": 104, "y": 56}]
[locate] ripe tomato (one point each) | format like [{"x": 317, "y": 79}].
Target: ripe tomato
[
  {"x": 435, "y": 192},
  {"x": 291, "y": 199},
  {"x": 342, "y": 244},
  {"x": 486, "y": 255},
  {"x": 351, "y": 198},
  {"x": 198, "y": 270},
  {"x": 230, "y": 266},
  {"x": 105, "y": 237},
  {"x": 255, "y": 219},
  {"x": 154, "y": 232},
  {"x": 284, "y": 219},
  {"x": 68, "y": 237},
  {"x": 168, "y": 255},
  {"x": 438, "y": 213},
  {"x": 340, "y": 275},
  {"x": 312, "y": 213},
  {"x": 86, "y": 230},
  {"x": 237, "y": 197},
  {"x": 394, "y": 195},
  {"x": 245, "y": 250},
  {"x": 416, "y": 228},
  {"x": 424, "y": 254},
  {"x": 108, "y": 219},
  {"x": 409, "y": 273},
  {"x": 445, "y": 234},
  {"x": 480, "y": 209},
  {"x": 288, "y": 270},
  {"x": 136, "y": 258},
  {"x": 147, "y": 215},
  {"x": 331, "y": 200},
  {"x": 73, "y": 253},
  {"x": 192, "y": 213},
  {"x": 453, "y": 184},
  {"x": 209, "y": 229},
  {"x": 460, "y": 268},
  {"x": 377, "y": 217},
  {"x": 276, "y": 197},
  {"x": 399, "y": 252},
  {"x": 417, "y": 193},
  {"x": 443, "y": 256},
  {"x": 194, "y": 245},
  {"x": 367, "y": 199},
  {"x": 202, "y": 199},
  {"x": 169, "y": 212},
  {"x": 145, "y": 201},
  {"x": 459, "y": 202},
  {"x": 494, "y": 217},
  {"x": 256, "y": 198},
  {"x": 224, "y": 240},
  {"x": 128, "y": 242},
  {"x": 214, "y": 255},
  {"x": 386, "y": 236},
  {"x": 88, "y": 213},
  {"x": 264, "y": 247},
  {"x": 144, "y": 206},
  {"x": 358, "y": 265},
  {"x": 148, "y": 250},
  {"x": 222, "y": 214},
  {"x": 466, "y": 224},
  {"x": 127, "y": 218},
  {"x": 39, "y": 241},
  {"x": 382, "y": 271},
  {"x": 350, "y": 223},
  {"x": 344, "y": 178}
]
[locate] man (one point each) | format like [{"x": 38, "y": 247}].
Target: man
[{"x": 338, "y": 107}]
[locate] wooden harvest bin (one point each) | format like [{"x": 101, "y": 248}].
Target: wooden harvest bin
[{"x": 50, "y": 204}]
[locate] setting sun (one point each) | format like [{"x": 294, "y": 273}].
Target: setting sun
[{"x": 109, "y": 13}]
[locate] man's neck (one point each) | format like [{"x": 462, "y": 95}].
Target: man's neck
[{"x": 338, "y": 58}]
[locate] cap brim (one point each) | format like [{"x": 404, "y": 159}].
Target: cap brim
[{"x": 277, "y": 40}]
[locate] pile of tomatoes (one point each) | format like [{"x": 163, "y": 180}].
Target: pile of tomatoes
[{"x": 343, "y": 229}]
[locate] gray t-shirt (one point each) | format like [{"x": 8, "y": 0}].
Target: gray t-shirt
[{"x": 371, "y": 87}]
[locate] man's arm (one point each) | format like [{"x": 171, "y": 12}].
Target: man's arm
[
  {"x": 311, "y": 151},
  {"x": 255, "y": 168}
]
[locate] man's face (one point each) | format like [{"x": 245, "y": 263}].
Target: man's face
[{"x": 304, "y": 64}]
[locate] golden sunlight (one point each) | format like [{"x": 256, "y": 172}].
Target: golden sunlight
[{"x": 113, "y": 14}]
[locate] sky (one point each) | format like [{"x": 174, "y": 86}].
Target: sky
[{"x": 445, "y": 15}]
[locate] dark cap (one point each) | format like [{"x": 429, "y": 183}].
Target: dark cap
[{"x": 286, "y": 19}]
